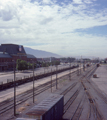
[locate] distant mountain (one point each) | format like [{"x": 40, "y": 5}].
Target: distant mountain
[{"x": 40, "y": 53}]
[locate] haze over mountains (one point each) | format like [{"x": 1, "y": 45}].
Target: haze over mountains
[
  {"x": 44, "y": 54},
  {"x": 40, "y": 53}
]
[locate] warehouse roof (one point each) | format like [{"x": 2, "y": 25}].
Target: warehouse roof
[
  {"x": 30, "y": 56},
  {"x": 4, "y": 55},
  {"x": 12, "y": 49}
]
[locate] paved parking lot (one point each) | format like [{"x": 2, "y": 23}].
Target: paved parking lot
[{"x": 101, "y": 79}]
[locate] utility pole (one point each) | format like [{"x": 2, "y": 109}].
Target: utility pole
[
  {"x": 33, "y": 85},
  {"x": 78, "y": 69},
  {"x": 83, "y": 65},
  {"x": 44, "y": 70},
  {"x": 56, "y": 76},
  {"x": 80, "y": 65},
  {"x": 51, "y": 80},
  {"x": 14, "y": 89},
  {"x": 70, "y": 72}
]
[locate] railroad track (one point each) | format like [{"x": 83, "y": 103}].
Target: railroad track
[
  {"x": 94, "y": 112},
  {"x": 77, "y": 113},
  {"x": 71, "y": 100},
  {"x": 8, "y": 104},
  {"x": 99, "y": 93},
  {"x": 29, "y": 79},
  {"x": 68, "y": 89}
]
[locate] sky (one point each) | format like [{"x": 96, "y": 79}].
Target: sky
[{"x": 65, "y": 27}]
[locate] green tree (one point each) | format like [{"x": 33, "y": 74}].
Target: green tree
[
  {"x": 21, "y": 65},
  {"x": 43, "y": 64},
  {"x": 56, "y": 62},
  {"x": 30, "y": 65}
]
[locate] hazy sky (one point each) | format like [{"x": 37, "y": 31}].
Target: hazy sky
[{"x": 65, "y": 27}]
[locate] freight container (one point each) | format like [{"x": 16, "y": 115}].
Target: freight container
[{"x": 49, "y": 109}]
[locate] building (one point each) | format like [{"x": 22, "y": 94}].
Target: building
[
  {"x": 9, "y": 53},
  {"x": 49, "y": 59}
]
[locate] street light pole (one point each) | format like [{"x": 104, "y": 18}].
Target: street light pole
[{"x": 14, "y": 89}]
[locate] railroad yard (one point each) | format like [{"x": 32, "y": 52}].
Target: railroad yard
[{"x": 85, "y": 96}]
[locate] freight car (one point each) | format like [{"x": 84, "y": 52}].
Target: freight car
[{"x": 49, "y": 109}]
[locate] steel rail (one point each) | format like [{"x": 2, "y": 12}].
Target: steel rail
[
  {"x": 104, "y": 98},
  {"x": 70, "y": 103},
  {"x": 97, "y": 113},
  {"x": 29, "y": 95},
  {"x": 68, "y": 89},
  {"x": 78, "y": 110},
  {"x": 71, "y": 100}
]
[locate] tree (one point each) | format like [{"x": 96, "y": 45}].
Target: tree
[
  {"x": 30, "y": 65},
  {"x": 21, "y": 65},
  {"x": 70, "y": 59},
  {"x": 57, "y": 62},
  {"x": 43, "y": 64}
]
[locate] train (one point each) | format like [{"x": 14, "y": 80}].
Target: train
[{"x": 30, "y": 78}]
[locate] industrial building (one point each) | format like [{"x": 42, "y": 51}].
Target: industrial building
[{"x": 9, "y": 53}]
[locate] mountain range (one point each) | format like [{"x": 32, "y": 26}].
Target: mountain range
[{"x": 40, "y": 53}]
